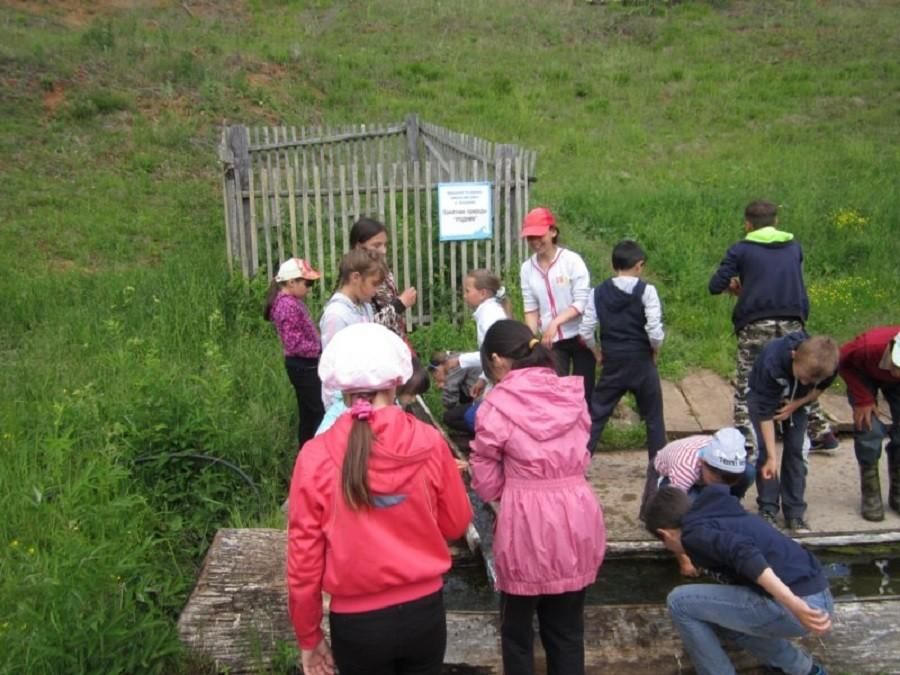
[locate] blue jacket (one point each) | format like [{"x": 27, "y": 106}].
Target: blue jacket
[
  {"x": 720, "y": 536},
  {"x": 770, "y": 266},
  {"x": 772, "y": 377}
]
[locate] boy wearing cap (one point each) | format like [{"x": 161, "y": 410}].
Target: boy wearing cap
[
  {"x": 629, "y": 314},
  {"x": 871, "y": 363},
  {"x": 778, "y": 590},
  {"x": 692, "y": 463},
  {"x": 555, "y": 286},
  {"x": 790, "y": 373},
  {"x": 695, "y": 461},
  {"x": 765, "y": 272},
  {"x": 299, "y": 338}
]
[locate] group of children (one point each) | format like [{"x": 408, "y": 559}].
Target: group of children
[{"x": 372, "y": 494}]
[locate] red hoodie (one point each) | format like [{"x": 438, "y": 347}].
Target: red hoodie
[
  {"x": 377, "y": 557},
  {"x": 860, "y": 362}
]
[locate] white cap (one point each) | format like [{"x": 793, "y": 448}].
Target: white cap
[
  {"x": 726, "y": 451},
  {"x": 364, "y": 357},
  {"x": 296, "y": 268},
  {"x": 895, "y": 352}
]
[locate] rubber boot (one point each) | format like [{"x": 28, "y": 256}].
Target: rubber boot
[
  {"x": 870, "y": 486},
  {"x": 894, "y": 480}
]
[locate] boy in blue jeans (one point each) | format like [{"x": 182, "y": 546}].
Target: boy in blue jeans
[
  {"x": 778, "y": 590},
  {"x": 790, "y": 373},
  {"x": 629, "y": 315}
]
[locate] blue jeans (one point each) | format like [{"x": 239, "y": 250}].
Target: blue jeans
[
  {"x": 788, "y": 491},
  {"x": 704, "y": 614},
  {"x": 867, "y": 443}
]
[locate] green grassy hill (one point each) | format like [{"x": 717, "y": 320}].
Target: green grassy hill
[{"x": 122, "y": 338}]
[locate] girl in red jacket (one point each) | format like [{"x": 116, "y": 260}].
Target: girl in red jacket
[{"x": 373, "y": 502}]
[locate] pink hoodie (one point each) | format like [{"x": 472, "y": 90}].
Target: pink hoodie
[{"x": 530, "y": 452}]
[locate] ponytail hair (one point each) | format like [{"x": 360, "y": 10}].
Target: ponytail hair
[
  {"x": 514, "y": 340},
  {"x": 485, "y": 280},
  {"x": 271, "y": 294},
  {"x": 355, "y": 470},
  {"x": 362, "y": 261}
]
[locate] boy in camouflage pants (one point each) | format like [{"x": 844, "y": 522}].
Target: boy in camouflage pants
[{"x": 765, "y": 272}]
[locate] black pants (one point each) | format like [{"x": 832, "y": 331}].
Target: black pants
[
  {"x": 454, "y": 418},
  {"x": 304, "y": 375},
  {"x": 561, "y": 623},
  {"x": 405, "y": 639},
  {"x": 571, "y": 353},
  {"x": 635, "y": 373}
]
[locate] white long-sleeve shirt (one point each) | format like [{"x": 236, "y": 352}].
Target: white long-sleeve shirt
[
  {"x": 566, "y": 283},
  {"x": 652, "y": 311},
  {"x": 486, "y": 314}
]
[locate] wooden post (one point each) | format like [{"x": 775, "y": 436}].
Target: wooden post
[
  {"x": 412, "y": 138},
  {"x": 239, "y": 145}
]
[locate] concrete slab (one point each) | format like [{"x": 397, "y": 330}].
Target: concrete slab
[
  {"x": 710, "y": 398},
  {"x": 838, "y": 410},
  {"x": 832, "y": 493},
  {"x": 680, "y": 421}
]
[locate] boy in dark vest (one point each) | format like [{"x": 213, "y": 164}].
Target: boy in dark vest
[
  {"x": 765, "y": 271},
  {"x": 629, "y": 315}
]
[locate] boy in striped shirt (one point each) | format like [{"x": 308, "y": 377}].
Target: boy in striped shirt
[{"x": 693, "y": 462}]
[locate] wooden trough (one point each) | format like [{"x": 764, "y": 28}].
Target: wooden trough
[{"x": 237, "y": 615}]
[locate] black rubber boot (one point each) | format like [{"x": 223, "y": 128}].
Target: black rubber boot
[{"x": 870, "y": 485}]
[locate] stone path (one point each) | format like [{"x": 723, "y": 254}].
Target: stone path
[
  {"x": 832, "y": 493},
  {"x": 703, "y": 402}
]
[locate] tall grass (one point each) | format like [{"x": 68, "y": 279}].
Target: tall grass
[{"x": 124, "y": 344}]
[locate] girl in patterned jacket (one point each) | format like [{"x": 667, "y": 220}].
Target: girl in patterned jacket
[{"x": 299, "y": 338}]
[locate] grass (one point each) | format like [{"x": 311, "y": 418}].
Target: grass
[{"x": 122, "y": 338}]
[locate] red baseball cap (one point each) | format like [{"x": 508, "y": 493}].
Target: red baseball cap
[{"x": 537, "y": 222}]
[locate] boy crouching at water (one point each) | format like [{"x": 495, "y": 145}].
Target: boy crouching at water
[{"x": 778, "y": 592}]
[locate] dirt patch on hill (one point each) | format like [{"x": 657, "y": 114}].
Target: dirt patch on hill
[{"x": 78, "y": 13}]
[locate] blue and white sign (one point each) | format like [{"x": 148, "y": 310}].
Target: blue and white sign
[{"x": 464, "y": 211}]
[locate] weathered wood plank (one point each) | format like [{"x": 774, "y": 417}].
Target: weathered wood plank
[
  {"x": 711, "y": 399},
  {"x": 429, "y": 225},
  {"x": 237, "y": 614},
  {"x": 680, "y": 421},
  {"x": 814, "y": 541}
]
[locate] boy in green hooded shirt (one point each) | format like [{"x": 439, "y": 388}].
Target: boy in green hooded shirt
[{"x": 765, "y": 272}]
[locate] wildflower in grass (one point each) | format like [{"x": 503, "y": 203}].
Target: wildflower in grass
[
  {"x": 849, "y": 220},
  {"x": 839, "y": 292},
  {"x": 14, "y": 543}
]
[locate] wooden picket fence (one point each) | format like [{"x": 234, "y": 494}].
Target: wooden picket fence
[{"x": 295, "y": 191}]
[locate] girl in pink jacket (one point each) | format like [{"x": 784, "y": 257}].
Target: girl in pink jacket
[{"x": 530, "y": 454}]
